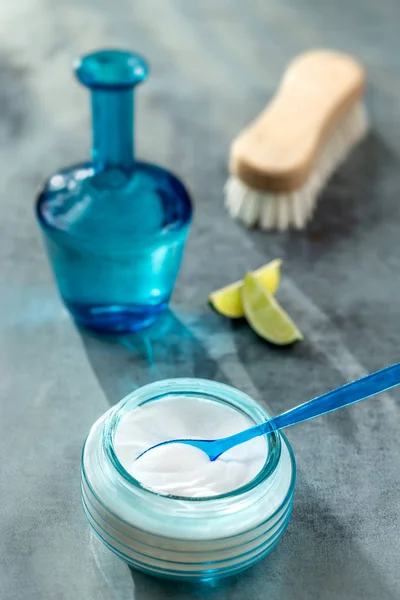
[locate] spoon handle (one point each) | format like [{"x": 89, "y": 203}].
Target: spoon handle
[{"x": 372, "y": 384}]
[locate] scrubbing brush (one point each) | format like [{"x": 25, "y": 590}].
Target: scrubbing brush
[{"x": 281, "y": 161}]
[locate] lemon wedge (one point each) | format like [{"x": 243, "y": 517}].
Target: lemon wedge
[
  {"x": 228, "y": 301},
  {"x": 265, "y": 316}
]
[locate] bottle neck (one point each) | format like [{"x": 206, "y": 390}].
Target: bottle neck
[{"x": 112, "y": 114}]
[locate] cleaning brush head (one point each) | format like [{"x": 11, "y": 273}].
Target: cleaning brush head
[{"x": 280, "y": 163}]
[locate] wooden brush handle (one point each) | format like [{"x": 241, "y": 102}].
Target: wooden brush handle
[{"x": 278, "y": 150}]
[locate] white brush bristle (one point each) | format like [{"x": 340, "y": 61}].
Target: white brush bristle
[{"x": 269, "y": 210}]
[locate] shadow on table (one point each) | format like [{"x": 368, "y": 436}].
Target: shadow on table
[
  {"x": 355, "y": 200},
  {"x": 165, "y": 350}
]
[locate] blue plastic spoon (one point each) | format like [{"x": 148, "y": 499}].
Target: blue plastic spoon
[{"x": 367, "y": 386}]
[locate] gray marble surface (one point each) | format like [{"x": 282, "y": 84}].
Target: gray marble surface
[{"x": 214, "y": 66}]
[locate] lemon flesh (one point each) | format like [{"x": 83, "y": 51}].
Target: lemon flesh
[
  {"x": 228, "y": 300},
  {"x": 265, "y": 316}
]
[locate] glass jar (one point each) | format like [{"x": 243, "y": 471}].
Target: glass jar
[{"x": 178, "y": 537}]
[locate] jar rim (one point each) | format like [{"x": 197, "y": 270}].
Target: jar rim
[{"x": 203, "y": 388}]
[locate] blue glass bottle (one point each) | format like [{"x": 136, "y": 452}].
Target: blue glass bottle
[{"x": 115, "y": 228}]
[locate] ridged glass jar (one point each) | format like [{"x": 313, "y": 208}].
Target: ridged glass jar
[{"x": 178, "y": 537}]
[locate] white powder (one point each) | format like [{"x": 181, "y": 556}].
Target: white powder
[{"x": 182, "y": 470}]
